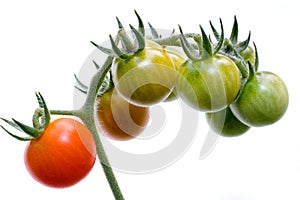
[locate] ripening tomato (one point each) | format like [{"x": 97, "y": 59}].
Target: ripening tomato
[
  {"x": 146, "y": 78},
  {"x": 263, "y": 100},
  {"x": 225, "y": 123},
  {"x": 209, "y": 85},
  {"x": 178, "y": 57},
  {"x": 118, "y": 119},
  {"x": 63, "y": 155}
]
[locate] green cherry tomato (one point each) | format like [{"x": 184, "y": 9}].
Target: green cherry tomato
[
  {"x": 209, "y": 85},
  {"x": 249, "y": 55},
  {"x": 225, "y": 123},
  {"x": 146, "y": 78},
  {"x": 178, "y": 57},
  {"x": 118, "y": 119},
  {"x": 63, "y": 155},
  {"x": 263, "y": 101}
]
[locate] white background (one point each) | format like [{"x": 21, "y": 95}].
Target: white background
[{"x": 43, "y": 43}]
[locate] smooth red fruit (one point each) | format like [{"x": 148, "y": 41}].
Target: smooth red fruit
[{"x": 63, "y": 155}]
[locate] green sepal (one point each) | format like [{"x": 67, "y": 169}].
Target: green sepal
[
  {"x": 104, "y": 49},
  {"x": 16, "y": 136},
  {"x": 252, "y": 71},
  {"x": 141, "y": 28},
  {"x": 187, "y": 48},
  {"x": 220, "y": 40},
  {"x": 156, "y": 36},
  {"x": 228, "y": 48},
  {"x": 214, "y": 30},
  {"x": 107, "y": 83},
  {"x": 105, "y": 86},
  {"x": 140, "y": 39},
  {"x": 206, "y": 43},
  {"x": 154, "y": 32},
  {"x": 120, "y": 25},
  {"x": 80, "y": 89},
  {"x": 96, "y": 65},
  {"x": 234, "y": 32},
  {"x": 243, "y": 45},
  {"x": 256, "y": 63},
  {"x": 37, "y": 129},
  {"x": 11, "y": 123},
  {"x": 81, "y": 86},
  {"x": 172, "y": 33},
  {"x": 33, "y": 132},
  {"x": 125, "y": 40},
  {"x": 117, "y": 52}
]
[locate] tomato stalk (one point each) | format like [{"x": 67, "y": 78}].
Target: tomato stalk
[
  {"x": 87, "y": 114},
  {"x": 174, "y": 40},
  {"x": 64, "y": 112}
]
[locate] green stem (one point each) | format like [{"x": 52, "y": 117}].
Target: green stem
[
  {"x": 36, "y": 118},
  {"x": 174, "y": 40},
  {"x": 64, "y": 112},
  {"x": 90, "y": 123},
  {"x": 87, "y": 115}
]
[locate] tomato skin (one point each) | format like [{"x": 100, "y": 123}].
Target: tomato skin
[
  {"x": 263, "y": 100},
  {"x": 178, "y": 57},
  {"x": 225, "y": 123},
  {"x": 63, "y": 155},
  {"x": 145, "y": 79},
  {"x": 119, "y": 119},
  {"x": 209, "y": 85}
]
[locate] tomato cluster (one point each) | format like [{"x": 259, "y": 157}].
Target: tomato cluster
[{"x": 220, "y": 79}]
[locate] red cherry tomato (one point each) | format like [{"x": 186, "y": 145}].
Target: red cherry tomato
[{"x": 63, "y": 155}]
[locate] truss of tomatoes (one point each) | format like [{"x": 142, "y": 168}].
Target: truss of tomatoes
[{"x": 220, "y": 79}]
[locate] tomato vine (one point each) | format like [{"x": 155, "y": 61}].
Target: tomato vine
[{"x": 202, "y": 56}]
